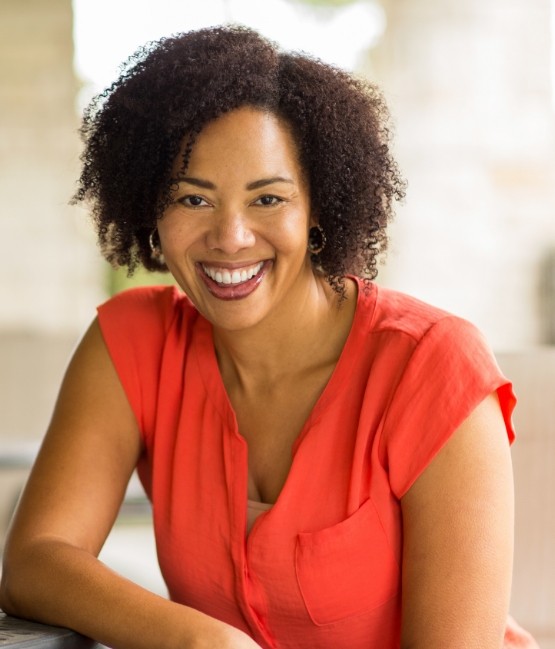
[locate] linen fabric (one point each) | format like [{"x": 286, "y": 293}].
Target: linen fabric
[{"x": 321, "y": 568}]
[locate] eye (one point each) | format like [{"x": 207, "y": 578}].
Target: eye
[
  {"x": 193, "y": 200},
  {"x": 268, "y": 200}
]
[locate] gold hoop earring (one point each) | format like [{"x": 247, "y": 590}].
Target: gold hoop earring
[
  {"x": 156, "y": 253},
  {"x": 316, "y": 240}
]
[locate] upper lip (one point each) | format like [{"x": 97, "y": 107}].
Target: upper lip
[{"x": 226, "y": 265}]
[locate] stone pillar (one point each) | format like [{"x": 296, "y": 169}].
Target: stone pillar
[
  {"x": 470, "y": 88},
  {"x": 50, "y": 270}
]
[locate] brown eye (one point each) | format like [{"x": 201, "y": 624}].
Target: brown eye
[
  {"x": 192, "y": 200},
  {"x": 268, "y": 200}
]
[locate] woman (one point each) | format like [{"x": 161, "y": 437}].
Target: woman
[{"x": 328, "y": 461}]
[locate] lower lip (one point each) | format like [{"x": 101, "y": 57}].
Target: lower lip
[{"x": 234, "y": 291}]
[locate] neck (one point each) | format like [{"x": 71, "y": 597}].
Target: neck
[{"x": 309, "y": 335}]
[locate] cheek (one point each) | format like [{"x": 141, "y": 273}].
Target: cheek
[
  {"x": 294, "y": 232},
  {"x": 176, "y": 236}
]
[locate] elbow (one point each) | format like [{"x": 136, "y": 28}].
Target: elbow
[
  {"x": 17, "y": 586},
  {"x": 7, "y": 600}
]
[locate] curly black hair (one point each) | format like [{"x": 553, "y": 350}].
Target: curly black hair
[{"x": 170, "y": 89}]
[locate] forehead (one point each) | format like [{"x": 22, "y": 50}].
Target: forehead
[{"x": 248, "y": 137}]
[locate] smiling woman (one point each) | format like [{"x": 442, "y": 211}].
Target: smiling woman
[
  {"x": 328, "y": 461},
  {"x": 159, "y": 106},
  {"x": 243, "y": 233}
]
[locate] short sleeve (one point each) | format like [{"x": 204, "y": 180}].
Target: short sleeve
[
  {"x": 134, "y": 325},
  {"x": 450, "y": 372}
]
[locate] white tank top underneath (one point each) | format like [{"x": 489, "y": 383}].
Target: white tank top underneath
[{"x": 254, "y": 509}]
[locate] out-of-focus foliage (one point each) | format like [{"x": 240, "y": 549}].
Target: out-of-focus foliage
[{"x": 118, "y": 280}]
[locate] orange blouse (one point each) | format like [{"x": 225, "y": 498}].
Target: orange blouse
[{"x": 321, "y": 568}]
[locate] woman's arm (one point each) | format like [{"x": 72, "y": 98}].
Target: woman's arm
[
  {"x": 458, "y": 540},
  {"x": 51, "y": 573}
]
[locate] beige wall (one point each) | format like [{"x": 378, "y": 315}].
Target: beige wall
[
  {"x": 533, "y": 596},
  {"x": 49, "y": 270},
  {"x": 470, "y": 89}
]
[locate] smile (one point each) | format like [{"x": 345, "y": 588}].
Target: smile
[
  {"x": 233, "y": 283},
  {"x": 226, "y": 276}
]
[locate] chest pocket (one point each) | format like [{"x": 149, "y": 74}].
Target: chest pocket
[{"x": 347, "y": 569}]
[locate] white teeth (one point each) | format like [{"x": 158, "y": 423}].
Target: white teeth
[{"x": 223, "y": 276}]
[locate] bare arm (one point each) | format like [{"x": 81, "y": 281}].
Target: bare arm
[
  {"x": 458, "y": 540},
  {"x": 51, "y": 572}
]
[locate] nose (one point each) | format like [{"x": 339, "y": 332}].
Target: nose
[{"x": 230, "y": 232}]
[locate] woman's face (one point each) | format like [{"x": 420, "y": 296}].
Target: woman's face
[{"x": 235, "y": 234}]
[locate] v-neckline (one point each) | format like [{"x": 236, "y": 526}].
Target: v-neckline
[{"x": 217, "y": 393}]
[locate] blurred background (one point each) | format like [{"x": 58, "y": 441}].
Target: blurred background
[{"x": 471, "y": 88}]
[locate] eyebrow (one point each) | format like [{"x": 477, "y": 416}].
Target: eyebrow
[
  {"x": 256, "y": 184},
  {"x": 205, "y": 184}
]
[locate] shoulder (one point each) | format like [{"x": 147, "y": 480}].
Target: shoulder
[
  {"x": 446, "y": 368},
  {"x": 137, "y": 326},
  {"x": 432, "y": 338},
  {"x": 148, "y": 312},
  {"x": 402, "y": 313},
  {"x": 404, "y": 324},
  {"x": 138, "y": 322},
  {"x": 146, "y": 302}
]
